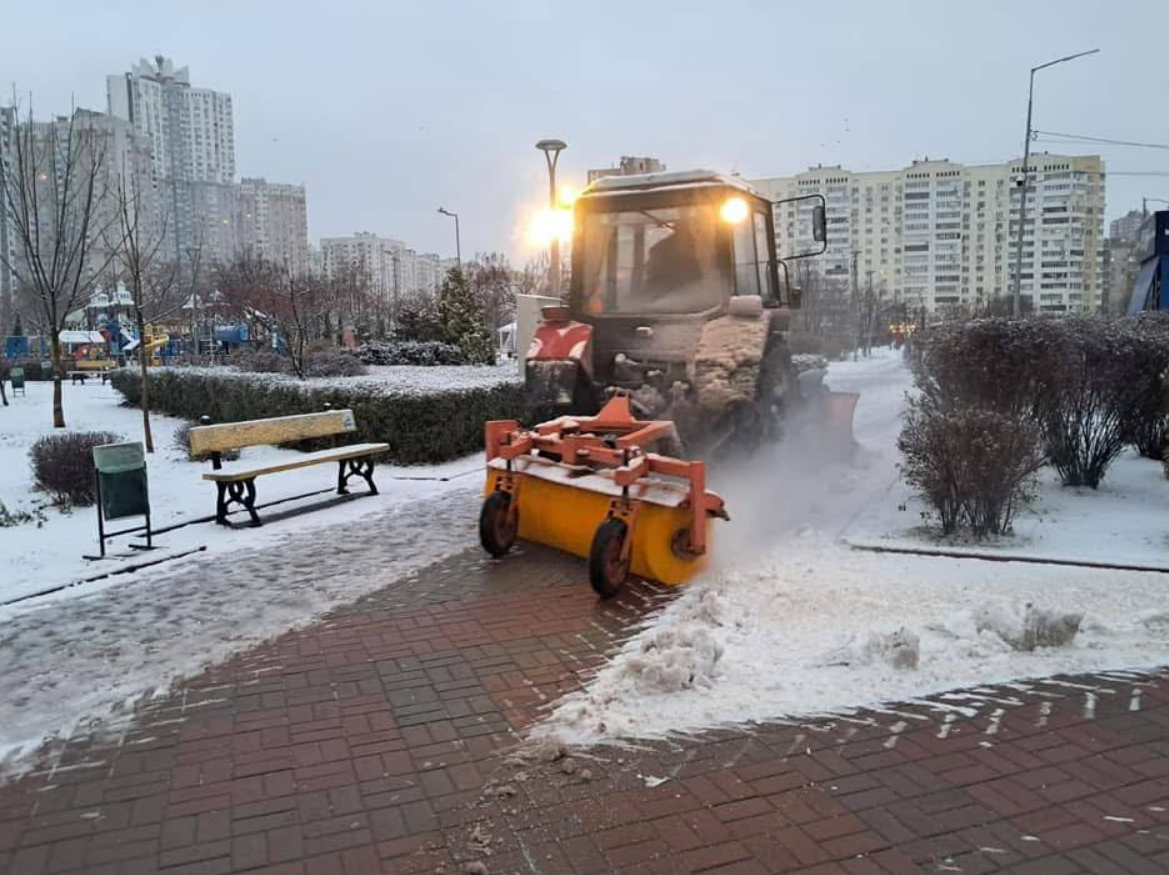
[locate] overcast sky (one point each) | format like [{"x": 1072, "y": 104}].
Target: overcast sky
[{"x": 386, "y": 110}]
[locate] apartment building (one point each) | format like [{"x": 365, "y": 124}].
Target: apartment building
[
  {"x": 394, "y": 272},
  {"x": 938, "y": 233},
  {"x": 191, "y": 138},
  {"x": 274, "y": 222}
]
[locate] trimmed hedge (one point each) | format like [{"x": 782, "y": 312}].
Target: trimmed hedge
[
  {"x": 420, "y": 428},
  {"x": 428, "y": 353}
]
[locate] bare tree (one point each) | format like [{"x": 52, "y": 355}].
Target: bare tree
[
  {"x": 293, "y": 308},
  {"x": 493, "y": 287},
  {"x": 55, "y": 185},
  {"x": 533, "y": 279},
  {"x": 152, "y": 279}
]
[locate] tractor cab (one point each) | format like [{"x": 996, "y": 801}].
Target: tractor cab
[
  {"x": 671, "y": 274},
  {"x": 671, "y": 245}
]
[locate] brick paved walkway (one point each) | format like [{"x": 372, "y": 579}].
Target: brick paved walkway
[{"x": 384, "y": 739}]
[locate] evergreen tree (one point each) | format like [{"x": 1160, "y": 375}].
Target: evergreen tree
[
  {"x": 17, "y": 328},
  {"x": 417, "y": 320},
  {"x": 461, "y": 320}
]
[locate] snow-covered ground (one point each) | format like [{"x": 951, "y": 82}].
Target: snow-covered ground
[
  {"x": 1123, "y": 522},
  {"x": 792, "y": 621},
  {"x": 34, "y": 558}
]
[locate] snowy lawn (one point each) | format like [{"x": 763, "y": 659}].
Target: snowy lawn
[
  {"x": 1125, "y": 521},
  {"x": 34, "y": 558},
  {"x": 792, "y": 621}
]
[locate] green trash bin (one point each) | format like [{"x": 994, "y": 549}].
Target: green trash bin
[
  {"x": 122, "y": 489},
  {"x": 16, "y": 375}
]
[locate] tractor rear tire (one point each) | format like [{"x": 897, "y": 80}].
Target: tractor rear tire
[
  {"x": 607, "y": 570},
  {"x": 497, "y": 525}
]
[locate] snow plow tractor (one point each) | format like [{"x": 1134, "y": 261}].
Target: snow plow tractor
[{"x": 671, "y": 344}]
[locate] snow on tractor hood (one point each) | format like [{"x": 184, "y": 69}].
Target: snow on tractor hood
[{"x": 671, "y": 179}]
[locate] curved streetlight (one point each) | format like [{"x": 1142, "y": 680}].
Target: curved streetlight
[
  {"x": 552, "y": 149},
  {"x": 1026, "y": 170},
  {"x": 458, "y": 244}
]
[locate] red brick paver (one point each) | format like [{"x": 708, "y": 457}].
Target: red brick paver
[{"x": 377, "y": 741}]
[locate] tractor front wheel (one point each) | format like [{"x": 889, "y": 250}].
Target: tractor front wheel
[
  {"x": 497, "y": 524},
  {"x": 607, "y": 570}
]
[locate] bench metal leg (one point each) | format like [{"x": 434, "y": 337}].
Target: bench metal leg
[
  {"x": 221, "y": 502},
  {"x": 362, "y": 468},
  {"x": 241, "y": 492}
]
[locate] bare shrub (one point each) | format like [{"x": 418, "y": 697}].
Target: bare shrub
[
  {"x": 1150, "y": 432},
  {"x": 182, "y": 442},
  {"x": 261, "y": 361},
  {"x": 333, "y": 363},
  {"x": 62, "y": 465},
  {"x": 999, "y": 364},
  {"x": 973, "y": 466},
  {"x": 1108, "y": 380}
]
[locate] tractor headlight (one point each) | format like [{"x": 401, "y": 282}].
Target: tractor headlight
[{"x": 734, "y": 210}]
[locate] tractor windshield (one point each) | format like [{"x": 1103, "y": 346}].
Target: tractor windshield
[{"x": 659, "y": 260}]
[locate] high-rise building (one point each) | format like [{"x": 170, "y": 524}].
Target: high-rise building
[
  {"x": 938, "y": 233},
  {"x": 274, "y": 222},
  {"x": 190, "y": 133},
  {"x": 1126, "y": 227},
  {"x": 74, "y": 147},
  {"x": 394, "y": 272},
  {"x": 366, "y": 252}
]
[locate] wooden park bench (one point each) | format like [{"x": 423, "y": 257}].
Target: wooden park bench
[
  {"x": 83, "y": 369},
  {"x": 237, "y": 484}
]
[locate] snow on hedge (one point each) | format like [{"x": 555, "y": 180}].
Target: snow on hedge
[{"x": 387, "y": 380}]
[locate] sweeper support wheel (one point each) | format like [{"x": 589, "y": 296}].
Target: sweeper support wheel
[
  {"x": 609, "y": 558},
  {"x": 498, "y": 523}
]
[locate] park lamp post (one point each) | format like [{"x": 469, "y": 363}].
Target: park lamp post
[
  {"x": 1015, "y": 297},
  {"x": 458, "y": 244},
  {"x": 552, "y": 150}
]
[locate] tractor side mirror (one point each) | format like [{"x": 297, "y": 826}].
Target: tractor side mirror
[{"x": 819, "y": 224}]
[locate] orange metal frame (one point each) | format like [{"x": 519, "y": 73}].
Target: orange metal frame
[{"x": 614, "y": 440}]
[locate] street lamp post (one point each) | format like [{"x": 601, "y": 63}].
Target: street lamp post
[
  {"x": 552, "y": 150},
  {"x": 458, "y": 243},
  {"x": 1015, "y": 297}
]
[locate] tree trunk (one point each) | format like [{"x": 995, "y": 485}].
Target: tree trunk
[
  {"x": 58, "y": 406},
  {"x": 3, "y": 393},
  {"x": 143, "y": 368}
]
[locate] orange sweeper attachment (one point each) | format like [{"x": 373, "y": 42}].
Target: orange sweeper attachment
[{"x": 589, "y": 485}]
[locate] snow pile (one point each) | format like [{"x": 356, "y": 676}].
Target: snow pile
[
  {"x": 815, "y": 627},
  {"x": 674, "y": 659},
  {"x": 899, "y": 649},
  {"x": 1028, "y": 627}
]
